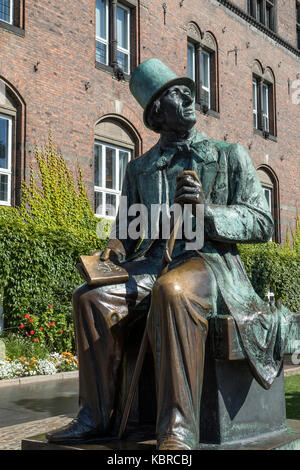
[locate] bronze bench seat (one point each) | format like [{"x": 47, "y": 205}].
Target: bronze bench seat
[
  {"x": 226, "y": 343},
  {"x": 234, "y": 406}
]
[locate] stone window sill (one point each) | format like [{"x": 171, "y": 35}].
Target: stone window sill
[
  {"x": 265, "y": 135},
  {"x": 209, "y": 112},
  {"x": 109, "y": 69},
  {"x": 12, "y": 28}
]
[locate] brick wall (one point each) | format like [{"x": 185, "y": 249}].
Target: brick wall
[{"x": 60, "y": 36}]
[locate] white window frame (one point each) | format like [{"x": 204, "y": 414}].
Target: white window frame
[
  {"x": 104, "y": 41},
  {"x": 11, "y": 13},
  {"x": 119, "y": 48},
  {"x": 255, "y": 102},
  {"x": 269, "y": 199},
  {"x": 102, "y": 189},
  {"x": 191, "y": 46},
  {"x": 266, "y": 126},
  {"x": 207, "y": 89},
  {"x": 269, "y": 191},
  {"x": 8, "y": 171}
]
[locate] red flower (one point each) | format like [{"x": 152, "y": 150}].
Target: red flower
[
  {"x": 22, "y": 326},
  {"x": 50, "y": 306},
  {"x": 36, "y": 340},
  {"x": 51, "y": 323},
  {"x": 61, "y": 332},
  {"x": 41, "y": 327},
  {"x": 30, "y": 319},
  {"x": 27, "y": 336},
  {"x": 27, "y": 315},
  {"x": 32, "y": 332}
]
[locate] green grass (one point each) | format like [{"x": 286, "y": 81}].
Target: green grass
[{"x": 292, "y": 396}]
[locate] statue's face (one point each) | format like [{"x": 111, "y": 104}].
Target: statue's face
[{"x": 178, "y": 108}]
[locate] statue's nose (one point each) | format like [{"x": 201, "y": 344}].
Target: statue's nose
[{"x": 187, "y": 99}]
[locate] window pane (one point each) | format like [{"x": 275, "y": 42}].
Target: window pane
[
  {"x": 101, "y": 52},
  {"x": 123, "y": 160},
  {"x": 205, "y": 69},
  {"x": 4, "y": 188},
  {"x": 98, "y": 203},
  {"x": 98, "y": 165},
  {"x": 191, "y": 61},
  {"x": 110, "y": 168},
  {"x": 268, "y": 17},
  {"x": 259, "y": 10},
  {"x": 4, "y": 143},
  {"x": 122, "y": 28},
  {"x": 111, "y": 205},
  {"x": 268, "y": 196},
  {"x": 101, "y": 19},
  {"x": 265, "y": 99},
  {"x": 254, "y": 101},
  {"x": 254, "y": 95},
  {"x": 5, "y": 10},
  {"x": 123, "y": 61}
]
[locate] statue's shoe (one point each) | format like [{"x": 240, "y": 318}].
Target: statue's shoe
[
  {"x": 75, "y": 431},
  {"x": 172, "y": 443}
]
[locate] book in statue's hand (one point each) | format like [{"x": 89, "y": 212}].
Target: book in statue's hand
[{"x": 99, "y": 273}]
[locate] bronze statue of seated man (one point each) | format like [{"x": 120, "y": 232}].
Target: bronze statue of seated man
[{"x": 200, "y": 283}]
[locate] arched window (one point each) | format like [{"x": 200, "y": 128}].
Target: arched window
[
  {"x": 12, "y": 111},
  {"x": 263, "y": 97},
  {"x": 270, "y": 187},
  {"x": 115, "y": 145},
  {"x": 202, "y": 67}
]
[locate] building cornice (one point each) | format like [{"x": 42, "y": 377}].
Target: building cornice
[{"x": 243, "y": 14}]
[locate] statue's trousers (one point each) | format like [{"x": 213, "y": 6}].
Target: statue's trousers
[{"x": 177, "y": 329}]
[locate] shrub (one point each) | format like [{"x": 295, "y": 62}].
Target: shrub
[
  {"x": 40, "y": 244},
  {"x": 271, "y": 265}
]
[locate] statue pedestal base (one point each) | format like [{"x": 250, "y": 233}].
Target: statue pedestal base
[{"x": 283, "y": 440}]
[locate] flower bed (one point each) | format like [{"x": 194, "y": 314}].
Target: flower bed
[{"x": 25, "y": 367}]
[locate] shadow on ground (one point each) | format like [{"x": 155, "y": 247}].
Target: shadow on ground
[{"x": 55, "y": 406}]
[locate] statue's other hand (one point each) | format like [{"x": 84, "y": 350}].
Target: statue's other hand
[
  {"x": 189, "y": 189},
  {"x": 97, "y": 253},
  {"x": 105, "y": 254},
  {"x": 114, "y": 249}
]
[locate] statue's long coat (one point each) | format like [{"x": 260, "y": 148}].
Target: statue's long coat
[{"x": 236, "y": 212}]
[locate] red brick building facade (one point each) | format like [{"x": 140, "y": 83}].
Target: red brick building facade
[{"x": 65, "y": 66}]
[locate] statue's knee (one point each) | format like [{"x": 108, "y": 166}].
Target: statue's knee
[
  {"x": 166, "y": 286},
  {"x": 81, "y": 297}
]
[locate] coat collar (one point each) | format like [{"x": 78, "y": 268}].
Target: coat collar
[{"x": 196, "y": 144}]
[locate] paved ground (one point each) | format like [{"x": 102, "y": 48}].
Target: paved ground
[
  {"x": 33, "y": 408},
  {"x": 28, "y": 409}
]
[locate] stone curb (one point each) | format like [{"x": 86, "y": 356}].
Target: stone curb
[
  {"x": 292, "y": 371},
  {"x": 74, "y": 374},
  {"x": 39, "y": 378}
]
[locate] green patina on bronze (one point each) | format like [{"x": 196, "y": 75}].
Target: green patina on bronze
[{"x": 182, "y": 300}]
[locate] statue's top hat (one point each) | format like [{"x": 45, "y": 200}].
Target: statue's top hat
[{"x": 150, "y": 79}]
